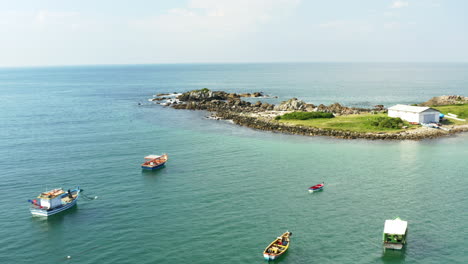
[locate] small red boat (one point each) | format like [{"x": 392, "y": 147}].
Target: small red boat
[{"x": 317, "y": 187}]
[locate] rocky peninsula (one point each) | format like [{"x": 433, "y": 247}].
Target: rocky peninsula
[{"x": 264, "y": 116}]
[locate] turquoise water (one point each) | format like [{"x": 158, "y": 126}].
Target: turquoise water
[{"x": 227, "y": 191}]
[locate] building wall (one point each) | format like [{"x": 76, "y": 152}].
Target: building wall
[
  {"x": 407, "y": 116},
  {"x": 423, "y": 117},
  {"x": 429, "y": 117}
]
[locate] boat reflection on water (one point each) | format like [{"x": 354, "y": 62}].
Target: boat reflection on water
[
  {"x": 393, "y": 256},
  {"x": 54, "y": 222}
]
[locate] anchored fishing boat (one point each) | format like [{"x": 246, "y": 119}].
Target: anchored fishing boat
[
  {"x": 153, "y": 162},
  {"x": 277, "y": 247},
  {"x": 54, "y": 201},
  {"x": 317, "y": 187},
  {"x": 394, "y": 235}
]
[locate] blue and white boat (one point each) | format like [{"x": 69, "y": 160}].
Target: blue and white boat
[{"x": 54, "y": 201}]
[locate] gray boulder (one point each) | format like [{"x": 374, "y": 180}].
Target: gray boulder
[{"x": 292, "y": 104}]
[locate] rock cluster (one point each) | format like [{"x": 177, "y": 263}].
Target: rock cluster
[
  {"x": 208, "y": 95},
  {"x": 292, "y": 104},
  {"x": 446, "y": 100},
  {"x": 234, "y": 105}
]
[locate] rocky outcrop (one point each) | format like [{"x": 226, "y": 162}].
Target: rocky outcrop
[
  {"x": 446, "y": 100},
  {"x": 292, "y": 104},
  {"x": 256, "y": 94},
  {"x": 203, "y": 95},
  {"x": 339, "y": 109},
  {"x": 207, "y": 95},
  {"x": 259, "y": 115}
]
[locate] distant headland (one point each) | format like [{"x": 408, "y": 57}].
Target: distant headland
[{"x": 295, "y": 116}]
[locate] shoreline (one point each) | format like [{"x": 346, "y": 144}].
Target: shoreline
[
  {"x": 273, "y": 126},
  {"x": 261, "y": 116}
]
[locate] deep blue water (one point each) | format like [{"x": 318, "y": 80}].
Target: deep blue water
[{"x": 226, "y": 191}]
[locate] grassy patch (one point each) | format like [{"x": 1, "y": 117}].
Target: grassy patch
[
  {"x": 355, "y": 123},
  {"x": 304, "y": 115},
  {"x": 460, "y": 110}
]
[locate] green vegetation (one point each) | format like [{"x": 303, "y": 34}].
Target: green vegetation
[
  {"x": 304, "y": 116},
  {"x": 461, "y": 110},
  {"x": 355, "y": 123},
  {"x": 203, "y": 90},
  {"x": 385, "y": 122}
]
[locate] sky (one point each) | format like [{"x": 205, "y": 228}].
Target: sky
[{"x": 77, "y": 32}]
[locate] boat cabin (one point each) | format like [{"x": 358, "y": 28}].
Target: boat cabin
[
  {"x": 153, "y": 159},
  {"x": 52, "y": 198},
  {"x": 394, "y": 235}
]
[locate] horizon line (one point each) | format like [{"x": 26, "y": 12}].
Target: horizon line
[{"x": 217, "y": 63}]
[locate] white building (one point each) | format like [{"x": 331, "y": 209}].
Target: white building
[{"x": 416, "y": 114}]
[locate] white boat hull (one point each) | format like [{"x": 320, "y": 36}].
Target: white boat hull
[
  {"x": 393, "y": 246},
  {"x": 269, "y": 257}
]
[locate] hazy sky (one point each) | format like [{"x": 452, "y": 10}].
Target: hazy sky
[{"x": 63, "y": 32}]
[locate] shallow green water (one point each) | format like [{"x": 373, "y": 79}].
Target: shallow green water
[{"x": 226, "y": 191}]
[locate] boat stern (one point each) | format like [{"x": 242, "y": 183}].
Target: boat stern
[
  {"x": 395, "y": 246},
  {"x": 38, "y": 212},
  {"x": 267, "y": 256}
]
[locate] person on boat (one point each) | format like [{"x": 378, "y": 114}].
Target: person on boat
[
  {"x": 279, "y": 241},
  {"x": 284, "y": 241}
]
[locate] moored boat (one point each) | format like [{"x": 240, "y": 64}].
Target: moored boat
[
  {"x": 394, "y": 235},
  {"x": 54, "y": 201},
  {"x": 317, "y": 187},
  {"x": 153, "y": 162},
  {"x": 277, "y": 247}
]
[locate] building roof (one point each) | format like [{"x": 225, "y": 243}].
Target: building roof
[
  {"x": 395, "y": 227},
  {"x": 410, "y": 108}
]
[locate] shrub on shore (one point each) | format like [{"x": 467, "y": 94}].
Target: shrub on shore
[
  {"x": 203, "y": 90},
  {"x": 304, "y": 116},
  {"x": 386, "y": 122}
]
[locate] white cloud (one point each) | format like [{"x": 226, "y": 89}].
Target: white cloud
[
  {"x": 45, "y": 16},
  {"x": 219, "y": 16},
  {"x": 391, "y": 25},
  {"x": 399, "y": 4},
  {"x": 347, "y": 27}
]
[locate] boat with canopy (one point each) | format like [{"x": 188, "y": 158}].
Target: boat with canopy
[
  {"x": 394, "y": 234},
  {"x": 153, "y": 162}
]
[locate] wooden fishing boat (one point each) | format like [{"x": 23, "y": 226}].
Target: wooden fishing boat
[
  {"x": 54, "y": 201},
  {"x": 277, "y": 247},
  {"x": 394, "y": 235},
  {"x": 317, "y": 187},
  {"x": 153, "y": 162}
]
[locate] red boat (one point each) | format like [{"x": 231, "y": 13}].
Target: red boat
[{"x": 317, "y": 187}]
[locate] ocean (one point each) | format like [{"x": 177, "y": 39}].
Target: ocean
[{"x": 226, "y": 191}]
